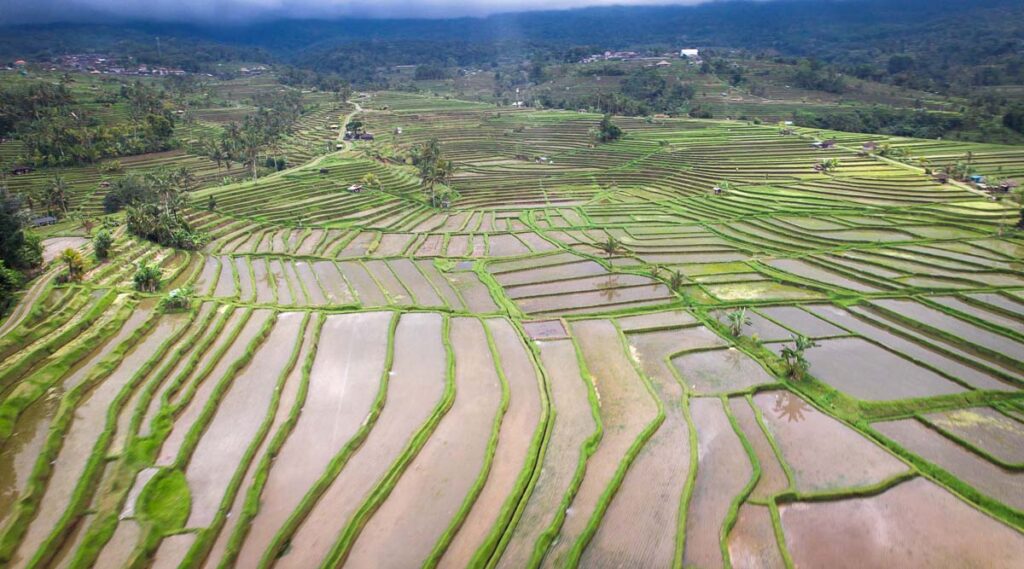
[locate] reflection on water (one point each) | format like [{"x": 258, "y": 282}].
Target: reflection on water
[
  {"x": 610, "y": 288},
  {"x": 790, "y": 407}
]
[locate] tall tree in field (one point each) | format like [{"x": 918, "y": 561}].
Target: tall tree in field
[{"x": 57, "y": 199}]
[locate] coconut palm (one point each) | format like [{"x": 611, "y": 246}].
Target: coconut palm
[
  {"x": 676, "y": 280},
  {"x": 75, "y": 263},
  {"x": 610, "y": 247},
  {"x": 57, "y": 196}
]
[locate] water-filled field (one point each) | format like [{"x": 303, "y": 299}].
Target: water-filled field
[{"x": 580, "y": 362}]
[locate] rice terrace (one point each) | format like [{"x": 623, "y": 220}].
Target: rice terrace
[{"x": 448, "y": 333}]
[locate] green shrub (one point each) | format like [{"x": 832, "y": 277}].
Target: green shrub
[
  {"x": 177, "y": 300},
  {"x": 101, "y": 244},
  {"x": 147, "y": 277},
  {"x": 165, "y": 501}
]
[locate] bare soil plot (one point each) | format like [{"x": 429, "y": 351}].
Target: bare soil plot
[
  {"x": 723, "y": 469},
  {"x": 915, "y": 524},
  {"x": 415, "y": 386},
  {"x": 823, "y": 453},
  {"x": 986, "y": 477},
  {"x": 53, "y": 247}
]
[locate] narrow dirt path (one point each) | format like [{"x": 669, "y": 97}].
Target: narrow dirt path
[{"x": 24, "y": 305}]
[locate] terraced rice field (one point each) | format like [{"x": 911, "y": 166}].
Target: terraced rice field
[{"x": 368, "y": 381}]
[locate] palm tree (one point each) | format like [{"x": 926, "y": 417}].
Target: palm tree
[
  {"x": 57, "y": 196},
  {"x": 676, "y": 280},
  {"x": 75, "y": 263},
  {"x": 610, "y": 247}
]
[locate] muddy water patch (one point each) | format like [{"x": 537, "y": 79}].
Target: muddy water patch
[
  {"x": 720, "y": 371},
  {"x": 823, "y": 453},
  {"x": 752, "y": 542},
  {"x": 422, "y": 504},
  {"x": 415, "y": 387},
  {"x": 239, "y": 414},
  {"x": 723, "y": 470},
  {"x": 343, "y": 383},
  {"x": 987, "y": 478},
  {"x": 915, "y": 524}
]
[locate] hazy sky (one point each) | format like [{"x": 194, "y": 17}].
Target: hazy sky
[{"x": 212, "y": 11}]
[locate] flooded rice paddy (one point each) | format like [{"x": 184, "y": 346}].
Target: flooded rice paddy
[{"x": 595, "y": 365}]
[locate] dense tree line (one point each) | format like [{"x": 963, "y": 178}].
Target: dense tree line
[
  {"x": 20, "y": 251},
  {"x": 55, "y": 130},
  {"x": 883, "y": 120}
]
